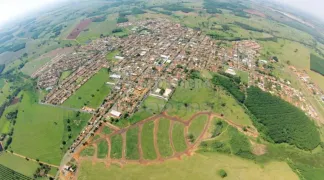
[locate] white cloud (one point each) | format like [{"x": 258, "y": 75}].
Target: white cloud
[
  {"x": 10, "y": 9},
  {"x": 314, "y": 7}
]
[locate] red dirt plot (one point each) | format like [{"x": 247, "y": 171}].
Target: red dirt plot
[
  {"x": 254, "y": 12},
  {"x": 79, "y": 28}
]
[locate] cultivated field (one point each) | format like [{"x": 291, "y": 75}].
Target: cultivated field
[{"x": 79, "y": 28}]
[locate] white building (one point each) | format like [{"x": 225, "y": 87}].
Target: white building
[
  {"x": 115, "y": 113},
  {"x": 167, "y": 92},
  {"x": 116, "y": 76},
  {"x": 230, "y": 71},
  {"x": 119, "y": 57}
]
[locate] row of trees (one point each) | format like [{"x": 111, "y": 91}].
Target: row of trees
[{"x": 281, "y": 121}]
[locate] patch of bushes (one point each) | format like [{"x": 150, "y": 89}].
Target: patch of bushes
[
  {"x": 117, "y": 30},
  {"x": 222, "y": 173},
  {"x": 281, "y": 121},
  {"x": 248, "y": 27},
  {"x": 99, "y": 19}
]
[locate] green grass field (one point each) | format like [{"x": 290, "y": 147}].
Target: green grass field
[
  {"x": 18, "y": 164},
  {"x": 178, "y": 137},
  {"x": 95, "y": 87},
  {"x": 102, "y": 149},
  {"x": 40, "y": 130},
  {"x": 197, "y": 125},
  {"x": 5, "y": 124},
  {"x": 5, "y": 92},
  {"x": 163, "y": 138},
  {"x": 88, "y": 151},
  {"x": 200, "y": 96},
  {"x": 148, "y": 141},
  {"x": 64, "y": 75},
  {"x": 116, "y": 147},
  {"x": 317, "y": 64},
  {"x": 106, "y": 130},
  {"x": 111, "y": 55},
  {"x": 32, "y": 66},
  {"x": 199, "y": 166},
  {"x": 132, "y": 144}
]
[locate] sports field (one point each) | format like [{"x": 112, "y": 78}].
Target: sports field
[
  {"x": 199, "y": 166},
  {"x": 92, "y": 93}
]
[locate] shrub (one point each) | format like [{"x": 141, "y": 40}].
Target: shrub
[{"x": 222, "y": 173}]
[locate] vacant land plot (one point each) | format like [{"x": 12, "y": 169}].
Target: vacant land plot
[
  {"x": 317, "y": 64},
  {"x": 102, "y": 149},
  {"x": 195, "y": 95},
  {"x": 148, "y": 141},
  {"x": 116, "y": 147},
  {"x": 197, "y": 125},
  {"x": 79, "y": 28},
  {"x": 32, "y": 66},
  {"x": 19, "y": 164},
  {"x": 64, "y": 75},
  {"x": 40, "y": 130},
  {"x": 132, "y": 144},
  {"x": 199, "y": 166},
  {"x": 88, "y": 151},
  {"x": 92, "y": 93},
  {"x": 163, "y": 138},
  {"x": 106, "y": 130},
  {"x": 178, "y": 137},
  {"x": 111, "y": 55}
]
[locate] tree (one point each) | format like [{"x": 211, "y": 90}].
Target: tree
[{"x": 222, "y": 173}]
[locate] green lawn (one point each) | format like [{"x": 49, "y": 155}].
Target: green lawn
[
  {"x": 244, "y": 76},
  {"x": 178, "y": 137},
  {"x": 148, "y": 141},
  {"x": 116, "y": 147},
  {"x": 96, "y": 86},
  {"x": 199, "y": 166},
  {"x": 18, "y": 164},
  {"x": 163, "y": 138},
  {"x": 102, "y": 149},
  {"x": 132, "y": 144},
  {"x": 88, "y": 151},
  {"x": 111, "y": 55},
  {"x": 5, "y": 124},
  {"x": 41, "y": 130},
  {"x": 197, "y": 125}
]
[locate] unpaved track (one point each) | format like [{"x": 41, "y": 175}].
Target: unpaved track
[
  {"x": 30, "y": 159},
  {"x": 191, "y": 147}
]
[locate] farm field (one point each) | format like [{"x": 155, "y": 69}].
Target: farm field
[
  {"x": 9, "y": 174},
  {"x": 163, "y": 138},
  {"x": 32, "y": 66},
  {"x": 148, "y": 141},
  {"x": 4, "y": 122},
  {"x": 52, "y": 123},
  {"x": 198, "y": 166},
  {"x": 92, "y": 93},
  {"x": 18, "y": 164},
  {"x": 79, "y": 28},
  {"x": 88, "y": 151}
]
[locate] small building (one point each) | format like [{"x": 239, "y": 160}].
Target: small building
[
  {"x": 167, "y": 92},
  {"x": 115, "y": 76},
  {"x": 158, "y": 90},
  {"x": 119, "y": 58},
  {"x": 230, "y": 71},
  {"x": 323, "y": 98},
  {"x": 263, "y": 61},
  {"x": 115, "y": 113}
]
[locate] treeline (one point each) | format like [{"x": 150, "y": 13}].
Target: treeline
[
  {"x": 177, "y": 7},
  {"x": 281, "y": 121},
  {"x": 12, "y": 48},
  {"x": 225, "y": 38},
  {"x": 6, "y": 38},
  {"x": 230, "y": 85},
  {"x": 99, "y": 19},
  {"x": 248, "y": 27}
]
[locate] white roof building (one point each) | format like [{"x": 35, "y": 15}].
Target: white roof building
[
  {"x": 230, "y": 71},
  {"x": 116, "y": 76},
  {"x": 115, "y": 113},
  {"x": 119, "y": 57},
  {"x": 167, "y": 92}
]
